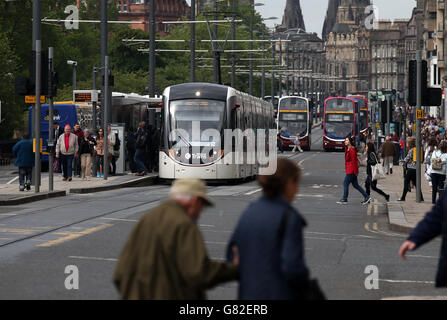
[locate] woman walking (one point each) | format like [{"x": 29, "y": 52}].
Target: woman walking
[
  {"x": 269, "y": 240},
  {"x": 85, "y": 152},
  {"x": 410, "y": 162},
  {"x": 372, "y": 161},
  {"x": 100, "y": 153},
  {"x": 438, "y": 169},
  {"x": 352, "y": 171}
]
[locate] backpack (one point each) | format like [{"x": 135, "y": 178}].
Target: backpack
[
  {"x": 436, "y": 163},
  {"x": 117, "y": 145},
  {"x": 141, "y": 140}
]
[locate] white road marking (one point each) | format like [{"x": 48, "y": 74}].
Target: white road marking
[
  {"x": 325, "y": 239},
  {"x": 12, "y": 180},
  {"x": 341, "y": 234},
  {"x": 406, "y": 281},
  {"x": 93, "y": 258},
  {"x": 423, "y": 257},
  {"x": 207, "y": 225},
  {"x": 8, "y": 214},
  {"x": 310, "y": 196},
  {"x": 253, "y": 192}
]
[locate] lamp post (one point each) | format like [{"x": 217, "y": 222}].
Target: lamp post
[
  {"x": 263, "y": 56},
  {"x": 74, "y": 64}
]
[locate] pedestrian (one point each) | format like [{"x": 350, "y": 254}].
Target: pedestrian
[
  {"x": 352, "y": 171},
  {"x": 130, "y": 150},
  {"x": 410, "y": 163},
  {"x": 297, "y": 145},
  {"x": 388, "y": 152},
  {"x": 58, "y": 131},
  {"x": 372, "y": 160},
  {"x": 279, "y": 142},
  {"x": 23, "y": 152},
  {"x": 433, "y": 225},
  {"x": 86, "y": 149},
  {"x": 269, "y": 240},
  {"x": 438, "y": 169},
  {"x": 402, "y": 147},
  {"x": 394, "y": 137},
  {"x": 100, "y": 153},
  {"x": 113, "y": 151},
  {"x": 140, "y": 153},
  {"x": 431, "y": 147},
  {"x": 67, "y": 148},
  {"x": 165, "y": 256},
  {"x": 77, "y": 161}
]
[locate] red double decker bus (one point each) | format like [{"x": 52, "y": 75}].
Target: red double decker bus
[
  {"x": 364, "y": 113},
  {"x": 339, "y": 122}
]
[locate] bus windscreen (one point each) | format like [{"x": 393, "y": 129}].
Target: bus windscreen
[
  {"x": 340, "y": 105},
  {"x": 293, "y": 104}
]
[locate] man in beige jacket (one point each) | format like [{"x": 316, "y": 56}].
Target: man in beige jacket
[{"x": 66, "y": 150}]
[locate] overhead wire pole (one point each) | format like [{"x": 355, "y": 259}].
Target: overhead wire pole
[
  {"x": 50, "y": 116},
  {"x": 152, "y": 49},
  {"x": 418, "y": 126},
  {"x": 36, "y": 38},
  {"x": 273, "y": 70},
  {"x": 263, "y": 68},
  {"x": 215, "y": 45},
  {"x": 193, "y": 42},
  {"x": 233, "y": 46},
  {"x": 103, "y": 55},
  {"x": 287, "y": 67},
  {"x": 250, "y": 77},
  {"x": 280, "y": 63}
]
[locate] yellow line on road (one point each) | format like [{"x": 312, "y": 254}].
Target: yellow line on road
[
  {"x": 74, "y": 235},
  {"x": 17, "y": 231}
]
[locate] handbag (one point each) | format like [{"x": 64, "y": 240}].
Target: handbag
[
  {"x": 56, "y": 166},
  {"x": 377, "y": 170}
]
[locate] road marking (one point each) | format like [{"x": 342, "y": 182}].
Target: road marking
[
  {"x": 220, "y": 243},
  {"x": 423, "y": 257},
  {"x": 93, "y": 258},
  {"x": 117, "y": 219},
  {"x": 310, "y": 196},
  {"x": 324, "y": 239},
  {"x": 74, "y": 235},
  {"x": 406, "y": 281},
  {"x": 12, "y": 180},
  {"x": 376, "y": 210},
  {"x": 253, "y": 192},
  {"x": 8, "y": 214},
  {"x": 17, "y": 231},
  {"x": 375, "y": 230},
  {"x": 341, "y": 234},
  {"x": 207, "y": 225},
  {"x": 368, "y": 211}
]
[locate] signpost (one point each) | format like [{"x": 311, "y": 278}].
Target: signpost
[{"x": 32, "y": 99}]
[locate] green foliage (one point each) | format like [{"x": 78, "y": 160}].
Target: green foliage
[{"x": 129, "y": 66}]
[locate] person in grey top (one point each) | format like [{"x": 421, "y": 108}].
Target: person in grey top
[{"x": 410, "y": 176}]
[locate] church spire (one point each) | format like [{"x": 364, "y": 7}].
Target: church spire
[{"x": 293, "y": 16}]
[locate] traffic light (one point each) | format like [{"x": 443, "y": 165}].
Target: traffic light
[
  {"x": 43, "y": 72},
  {"x": 23, "y": 87},
  {"x": 383, "y": 110},
  {"x": 111, "y": 80},
  {"x": 430, "y": 96},
  {"x": 53, "y": 80}
]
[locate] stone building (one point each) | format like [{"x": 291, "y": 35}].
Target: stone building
[
  {"x": 388, "y": 55},
  {"x": 166, "y": 10},
  {"x": 208, "y": 5},
  {"x": 347, "y": 47}
]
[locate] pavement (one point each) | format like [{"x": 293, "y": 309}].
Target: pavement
[
  {"x": 404, "y": 216},
  {"x": 38, "y": 241},
  {"x": 10, "y": 194}
]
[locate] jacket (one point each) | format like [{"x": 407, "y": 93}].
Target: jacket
[
  {"x": 86, "y": 146},
  {"x": 271, "y": 251},
  {"x": 388, "y": 149},
  {"x": 165, "y": 258},
  {"x": 73, "y": 147},
  {"x": 351, "y": 161},
  {"x": 408, "y": 161},
  {"x": 443, "y": 156},
  {"x": 372, "y": 160},
  {"x": 23, "y": 152},
  {"x": 433, "y": 225}
]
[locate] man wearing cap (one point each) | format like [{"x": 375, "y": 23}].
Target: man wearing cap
[{"x": 165, "y": 256}]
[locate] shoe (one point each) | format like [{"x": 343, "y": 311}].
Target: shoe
[
  {"x": 64, "y": 179},
  {"x": 69, "y": 179},
  {"x": 391, "y": 171},
  {"x": 22, "y": 188},
  {"x": 28, "y": 185},
  {"x": 366, "y": 201},
  {"x": 78, "y": 176},
  {"x": 84, "y": 179},
  {"x": 98, "y": 175},
  {"x": 88, "y": 179},
  {"x": 400, "y": 200},
  {"x": 102, "y": 175},
  {"x": 387, "y": 197},
  {"x": 342, "y": 201}
]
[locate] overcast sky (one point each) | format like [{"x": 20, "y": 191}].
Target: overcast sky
[{"x": 314, "y": 11}]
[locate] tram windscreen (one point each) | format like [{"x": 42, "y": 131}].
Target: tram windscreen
[
  {"x": 293, "y": 104},
  {"x": 192, "y": 117},
  {"x": 339, "y": 125}
]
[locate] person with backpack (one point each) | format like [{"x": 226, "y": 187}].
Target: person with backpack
[
  {"x": 352, "y": 171},
  {"x": 410, "y": 163},
  {"x": 140, "y": 153},
  {"x": 372, "y": 160},
  {"x": 438, "y": 169}
]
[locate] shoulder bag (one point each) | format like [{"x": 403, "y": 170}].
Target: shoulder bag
[{"x": 377, "y": 170}]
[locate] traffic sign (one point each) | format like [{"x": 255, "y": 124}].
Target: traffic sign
[
  {"x": 419, "y": 114},
  {"x": 85, "y": 96},
  {"x": 32, "y": 99}
]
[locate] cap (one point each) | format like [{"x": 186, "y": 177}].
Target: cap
[{"x": 191, "y": 187}]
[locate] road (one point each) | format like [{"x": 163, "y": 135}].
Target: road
[{"x": 38, "y": 241}]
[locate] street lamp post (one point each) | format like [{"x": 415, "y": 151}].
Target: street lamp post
[{"x": 74, "y": 64}]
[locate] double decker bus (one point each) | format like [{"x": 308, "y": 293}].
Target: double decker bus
[
  {"x": 294, "y": 118},
  {"x": 364, "y": 113},
  {"x": 339, "y": 122}
]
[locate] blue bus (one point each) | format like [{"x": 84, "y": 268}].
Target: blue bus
[{"x": 64, "y": 113}]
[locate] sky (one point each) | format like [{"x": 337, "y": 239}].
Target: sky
[{"x": 314, "y": 11}]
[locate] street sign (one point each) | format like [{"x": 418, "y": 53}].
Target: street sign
[
  {"x": 32, "y": 99},
  {"x": 34, "y": 145},
  {"x": 377, "y": 125},
  {"x": 419, "y": 114}
]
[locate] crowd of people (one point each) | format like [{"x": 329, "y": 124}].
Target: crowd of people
[{"x": 80, "y": 154}]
